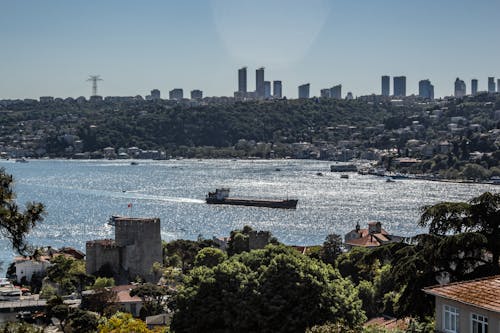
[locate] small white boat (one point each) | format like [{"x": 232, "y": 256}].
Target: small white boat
[
  {"x": 389, "y": 180},
  {"x": 344, "y": 176}
]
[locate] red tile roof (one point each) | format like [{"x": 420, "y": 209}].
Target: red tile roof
[
  {"x": 123, "y": 294},
  {"x": 482, "y": 293}
]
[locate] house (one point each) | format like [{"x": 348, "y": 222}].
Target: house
[
  {"x": 125, "y": 302},
  {"x": 373, "y": 236},
  {"x": 158, "y": 321},
  {"x": 468, "y": 306},
  {"x": 27, "y": 266}
]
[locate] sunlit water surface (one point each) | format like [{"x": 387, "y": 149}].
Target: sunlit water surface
[{"x": 80, "y": 196}]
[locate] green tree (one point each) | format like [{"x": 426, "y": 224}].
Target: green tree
[
  {"x": 332, "y": 248},
  {"x": 122, "y": 322},
  {"x": 153, "y": 299},
  {"x": 82, "y": 321},
  {"x": 209, "y": 257},
  {"x": 268, "y": 290},
  {"x": 14, "y": 224}
]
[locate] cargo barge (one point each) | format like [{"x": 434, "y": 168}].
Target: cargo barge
[{"x": 221, "y": 197}]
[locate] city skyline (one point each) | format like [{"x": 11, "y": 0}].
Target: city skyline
[{"x": 52, "y": 47}]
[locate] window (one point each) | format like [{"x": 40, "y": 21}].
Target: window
[
  {"x": 450, "y": 319},
  {"x": 479, "y": 323}
]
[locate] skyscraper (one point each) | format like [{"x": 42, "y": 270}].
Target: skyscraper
[
  {"x": 304, "y": 90},
  {"x": 498, "y": 85},
  {"x": 491, "y": 85},
  {"x": 242, "y": 80},
  {"x": 155, "y": 94},
  {"x": 399, "y": 86},
  {"x": 267, "y": 89},
  {"x": 459, "y": 88},
  {"x": 473, "y": 87},
  {"x": 336, "y": 91},
  {"x": 426, "y": 89},
  {"x": 277, "y": 89},
  {"x": 324, "y": 93},
  {"x": 386, "y": 85},
  {"x": 259, "y": 82}
]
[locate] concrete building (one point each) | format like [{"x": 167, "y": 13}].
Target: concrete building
[
  {"x": 259, "y": 82},
  {"x": 386, "y": 82},
  {"x": 196, "y": 94},
  {"x": 277, "y": 89},
  {"x": 460, "y": 88},
  {"x": 498, "y": 85},
  {"x": 304, "y": 90},
  {"x": 468, "y": 306},
  {"x": 426, "y": 89},
  {"x": 491, "y": 85},
  {"x": 336, "y": 91},
  {"x": 26, "y": 267},
  {"x": 155, "y": 94},
  {"x": 242, "y": 80},
  {"x": 473, "y": 87},
  {"x": 176, "y": 94},
  {"x": 136, "y": 247},
  {"x": 399, "y": 86},
  {"x": 349, "y": 96},
  {"x": 267, "y": 89}
]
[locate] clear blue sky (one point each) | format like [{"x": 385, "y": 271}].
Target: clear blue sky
[{"x": 50, "y": 47}]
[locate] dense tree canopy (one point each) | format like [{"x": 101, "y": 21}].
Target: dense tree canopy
[
  {"x": 271, "y": 290},
  {"x": 14, "y": 224}
]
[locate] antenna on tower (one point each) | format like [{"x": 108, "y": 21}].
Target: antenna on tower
[{"x": 94, "y": 79}]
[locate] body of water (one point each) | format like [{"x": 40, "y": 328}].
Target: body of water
[{"x": 80, "y": 196}]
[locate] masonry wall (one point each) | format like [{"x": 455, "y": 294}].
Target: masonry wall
[{"x": 99, "y": 255}]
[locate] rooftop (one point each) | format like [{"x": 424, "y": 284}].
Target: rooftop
[{"x": 481, "y": 293}]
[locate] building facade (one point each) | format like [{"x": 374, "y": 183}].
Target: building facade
[
  {"x": 176, "y": 94},
  {"x": 259, "y": 82},
  {"x": 277, "y": 89},
  {"x": 304, "y": 90},
  {"x": 473, "y": 87},
  {"x": 426, "y": 89},
  {"x": 242, "y": 80},
  {"x": 155, "y": 94},
  {"x": 267, "y": 89},
  {"x": 336, "y": 91},
  {"x": 491, "y": 85},
  {"x": 460, "y": 88},
  {"x": 196, "y": 94},
  {"x": 468, "y": 306},
  {"x": 386, "y": 89},
  {"x": 399, "y": 86}
]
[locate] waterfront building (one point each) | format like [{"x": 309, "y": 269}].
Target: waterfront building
[
  {"x": 399, "y": 86},
  {"x": 460, "y": 88},
  {"x": 259, "y": 83},
  {"x": 426, "y": 89},
  {"x": 491, "y": 85},
  {"x": 473, "y": 87},
  {"x": 176, "y": 94},
  {"x": 155, "y": 94},
  {"x": 267, "y": 89},
  {"x": 371, "y": 237},
  {"x": 196, "y": 94},
  {"x": 304, "y": 90},
  {"x": 336, "y": 91},
  {"x": 242, "y": 80},
  {"x": 386, "y": 90},
  {"x": 277, "y": 89}
]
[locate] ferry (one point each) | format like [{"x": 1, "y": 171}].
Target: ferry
[{"x": 221, "y": 197}]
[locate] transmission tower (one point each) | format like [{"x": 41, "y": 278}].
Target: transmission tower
[{"x": 94, "y": 79}]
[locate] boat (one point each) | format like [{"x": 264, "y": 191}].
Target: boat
[
  {"x": 389, "y": 180},
  {"x": 134, "y": 163},
  {"x": 221, "y": 197},
  {"x": 319, "y": 173},
  {"x": 344, "y": 176},
  {"x": 21, "y": 160}
]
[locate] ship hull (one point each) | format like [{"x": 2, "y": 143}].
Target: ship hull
[{"x": 284, "y": 204}]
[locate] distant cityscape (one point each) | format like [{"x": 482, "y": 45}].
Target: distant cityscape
[{"x": 269, "y": 90}]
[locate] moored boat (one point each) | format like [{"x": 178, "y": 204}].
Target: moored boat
[{"x": 221, "y": 197}]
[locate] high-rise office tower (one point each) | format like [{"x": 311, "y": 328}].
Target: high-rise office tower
[
  {"x": 267, "y": 89},
  {"x": 196, "y": 94},
  {"x": 277, "y": 89},
  {"x": 399, "y": 86},
  {"x": 304, "y": 90},
  {"x": 498, "y": 85},
  {"x": 473, "y": 87},
  {"x": 386, "y": 85},
  {"x": 491, "y": 85},
  {"x": 242, "y": 80},
  {"x": 336, "y": 91},
  {"x": 259, "y": 82},
  {"x": 459, "y": 88},
  {"x": 324, "y": 93},
  {"x": 426, "y": 89},
  {"x": 176, "y": 94}
]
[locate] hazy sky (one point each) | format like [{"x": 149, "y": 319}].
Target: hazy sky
[{"x": 50, "y": 47}]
